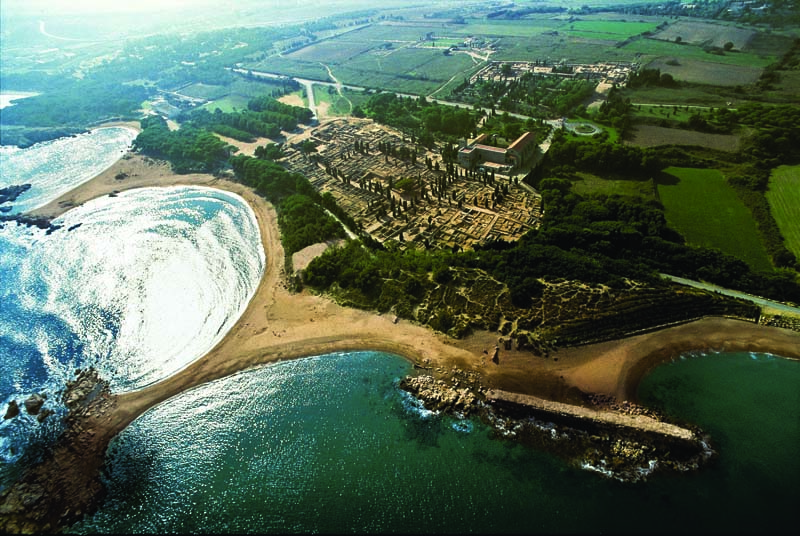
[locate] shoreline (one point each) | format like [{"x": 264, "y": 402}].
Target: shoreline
[{"x": 277, "y": 325}]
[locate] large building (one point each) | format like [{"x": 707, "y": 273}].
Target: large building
[{"x": 517, "y": 154}]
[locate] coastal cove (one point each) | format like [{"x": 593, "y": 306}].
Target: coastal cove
[
  {"x": 330, "y": 444},
  {"x": 278, "y": 325}
]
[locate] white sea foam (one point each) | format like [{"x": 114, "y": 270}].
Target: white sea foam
[
  {"x": 149, "y": 282},
  {"x": 55, "y": 167}
]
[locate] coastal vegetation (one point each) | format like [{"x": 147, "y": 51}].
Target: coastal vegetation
[
  {"x": 716, "y": 201},
  {"x": 189, "y": 149}
]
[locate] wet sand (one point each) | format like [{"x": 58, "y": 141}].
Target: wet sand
[{"x": 279, "y": 325}]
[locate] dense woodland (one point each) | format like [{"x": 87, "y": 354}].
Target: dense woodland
[
  {"x": 597, "y": 239},
  {"x": 419, "y": 118}
]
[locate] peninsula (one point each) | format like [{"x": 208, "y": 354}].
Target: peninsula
[{"x": 279, "y": 325}]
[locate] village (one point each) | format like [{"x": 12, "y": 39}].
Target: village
[{"x": 414, "y": 199}]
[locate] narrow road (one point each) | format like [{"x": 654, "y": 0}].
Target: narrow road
[
  {"x": 309, "y": 87},
  {"x": 44, "y": 32},
  {"x": 734, "y": 294},
  {"x": 338, "y": 86}
]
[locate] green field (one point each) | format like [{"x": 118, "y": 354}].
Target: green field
[
  {"x": 205, "y": 91},
  {"x": 784, "y": 200},
  {"x": 602, "y": 29},
  {"x": 228, "y": 104},
  {"x": 558, "y": 47},
  {"x": 653, "y": 48},
  {"x": 336, "y": 105},
  {"x": 702, "y": 206},
  {"x": 592, "y": 184}
]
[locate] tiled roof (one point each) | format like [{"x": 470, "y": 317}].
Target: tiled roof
[{"x": 522, "y": 142}]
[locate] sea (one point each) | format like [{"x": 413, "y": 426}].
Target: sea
[{"x": 141, "y": 284}]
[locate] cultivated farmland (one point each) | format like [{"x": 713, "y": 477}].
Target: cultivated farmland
[
  {"x": 653, "y": 136},
  {"x": 706, "y": 33},
  {"x": 707, "y": 72},
  {"x": 701, "y": 205},
  {"x": 784, "y": 200}
]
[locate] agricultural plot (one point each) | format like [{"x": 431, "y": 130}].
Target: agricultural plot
[
  {"x": 525, "y": 28},
  {"x": 666, "y": 111},
  {"x": 701, "y": 205},
  {"x": 606, "y": 29},
  {"x": 205, "y": 91},
  {"x": 409, "y": 70},
  {"x": 588, "y": 184},
  {"x": 706, "y": 33},
  {"x": 654, "y": 49},
  {"x": 288, "y": 67},
  {"x": 784, "y": 201},
  {"x": 707, "y": 72},
  {"x": 653, "y": 136},
  {"x": 693, "y": 96},
  {"x": 332, "y": 51},
  {"x": 392, "y": 32},
  {"x": 557, "y": 48}
]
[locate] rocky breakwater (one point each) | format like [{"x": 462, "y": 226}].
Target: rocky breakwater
[
  {"x": 618, "y": 440},
  {"x": 437, "y": 395},
  {"x": 65, "y": 484}
]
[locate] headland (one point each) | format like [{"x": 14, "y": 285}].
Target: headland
[{"x": 278, "y": 325}]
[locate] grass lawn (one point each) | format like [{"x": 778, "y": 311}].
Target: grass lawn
[
  {"x": 592, "y": 184},
  {"x": 227, "y": 104},
  {"x": 702, "y": 206},
  {"x": 784, "y": 200}
]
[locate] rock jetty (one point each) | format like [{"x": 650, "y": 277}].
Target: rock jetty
[
  {"x": 10, "y": 194},
  {"x": 437, "y": 395}
]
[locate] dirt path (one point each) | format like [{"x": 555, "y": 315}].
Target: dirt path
[{"x": 278, "y": 325}]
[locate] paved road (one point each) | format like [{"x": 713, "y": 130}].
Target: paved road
[{"x": 735, "y": 294}]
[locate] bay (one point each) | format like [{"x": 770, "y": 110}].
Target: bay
[
  {"x": 137, "y": 286},
  {"x": 55, "y": 167},
  {"x": 330, "y": 444}
]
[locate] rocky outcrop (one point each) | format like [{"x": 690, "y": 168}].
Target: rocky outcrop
[
  {"x": 13, "y": 410},
  {"x": 781, "y": 321},
  {"x": 30, "y": 221},
  {"x": 33, "y": 404},
  {"x": 438, "y": 396},
  {"x": 618, "y": 440},
  {"x": 10, "y": 194},
  {"x": 57, "y": 491}
]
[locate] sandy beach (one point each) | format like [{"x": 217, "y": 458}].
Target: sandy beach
[{"x": 280, "y": 325}]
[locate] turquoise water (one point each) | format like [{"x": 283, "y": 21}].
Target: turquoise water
[
  {"x": 145, "y": 282},
  {"x": 330, "y": 444}
]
